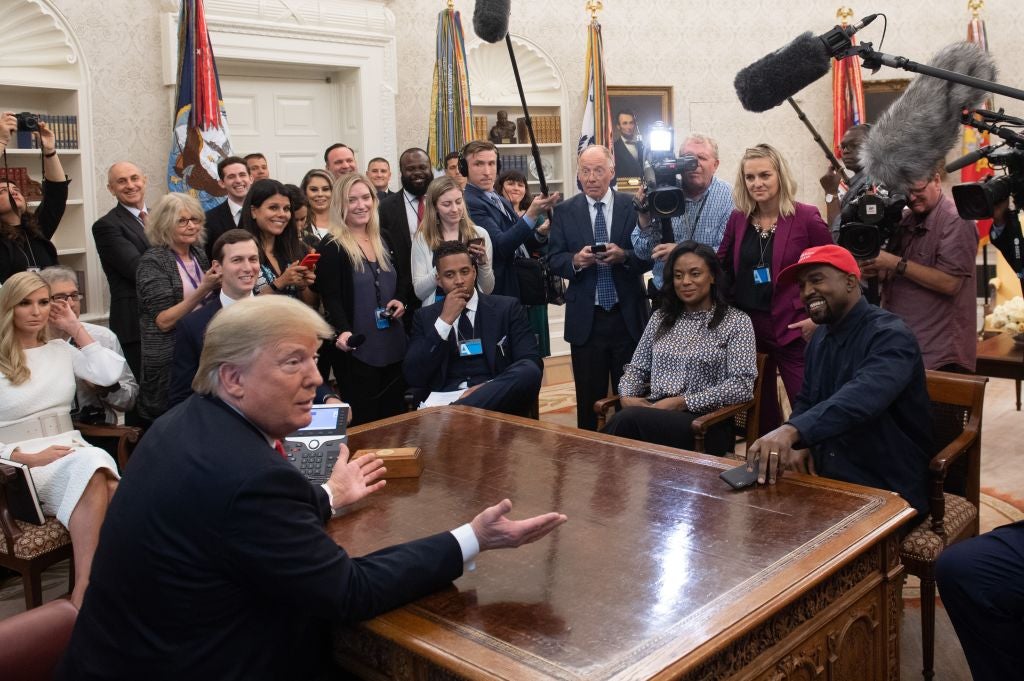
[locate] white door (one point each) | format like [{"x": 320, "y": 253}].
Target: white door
[{"x": 288, "y": 117}]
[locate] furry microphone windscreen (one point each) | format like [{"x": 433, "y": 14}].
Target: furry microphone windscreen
[
  {"x": 770, "y": 80},
  {"x": 917, "y": 130},
  {"x": 490, "y": 19}
]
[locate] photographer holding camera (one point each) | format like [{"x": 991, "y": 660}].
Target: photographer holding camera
[
  {"x": 1007, "y": 237},
  {"x": 835, "y": 199},
  {"x": 928, "y": 276},
  {"x": 25, "y": 238}
]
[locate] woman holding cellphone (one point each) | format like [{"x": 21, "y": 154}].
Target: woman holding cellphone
[
  {"x": 445, "y": 219},
  {"x": 359, "y": 283}
]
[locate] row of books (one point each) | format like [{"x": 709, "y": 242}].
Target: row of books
[
  {"x": 518, "y": 162},
  {"x": 29, "y": 188},
  {"x": 65, "y": 130},
  {"x": 546, "y": 128}
]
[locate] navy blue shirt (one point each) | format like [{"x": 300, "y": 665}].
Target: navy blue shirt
[{"x": 863, "y": 408}]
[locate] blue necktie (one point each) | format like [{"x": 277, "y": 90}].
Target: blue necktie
[{"x": 606, "y": 296}]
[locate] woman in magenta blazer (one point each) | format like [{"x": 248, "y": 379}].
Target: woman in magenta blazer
[{"x": 765, "y": 234}]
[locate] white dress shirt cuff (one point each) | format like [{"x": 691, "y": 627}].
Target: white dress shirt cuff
[
  {"x": 443, "y": 328},
  {"x": 469, "y": 545},
  {"x": 330, "y": 497}
]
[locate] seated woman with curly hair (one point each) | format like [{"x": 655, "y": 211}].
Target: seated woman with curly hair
[{"x": 697, "y": 354}]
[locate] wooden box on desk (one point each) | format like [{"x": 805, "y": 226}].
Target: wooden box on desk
[{"x": 401, "y": 462}]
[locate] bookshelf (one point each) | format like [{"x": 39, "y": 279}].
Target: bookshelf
[
  {"x": 50, "y": 79},
  {"x": 493, "y": 89}
]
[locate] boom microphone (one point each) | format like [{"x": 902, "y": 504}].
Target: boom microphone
[
  {"x": 490, "y": 19},
  {"x": 770, "y": 80},
  {"x": 915, "y": 132},
  {"x": 971, "y": 158}
]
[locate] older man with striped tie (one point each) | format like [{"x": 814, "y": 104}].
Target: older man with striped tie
[{"x": 605, "y": 305}]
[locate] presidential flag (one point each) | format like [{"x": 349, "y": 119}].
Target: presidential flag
[
  {"x": 451, "y": 113},
  {"x": 199, "y": 138},
  {"x": 597, "y": 119}
]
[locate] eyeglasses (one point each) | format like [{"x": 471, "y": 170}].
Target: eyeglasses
[
  {"x": 184, "y": 221},
  {"x": 68, "y": 297}
]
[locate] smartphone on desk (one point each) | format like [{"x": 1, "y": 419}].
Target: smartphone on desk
[
  {"x": 310, "y": 260},
  {"x": 739, "y": 477}
]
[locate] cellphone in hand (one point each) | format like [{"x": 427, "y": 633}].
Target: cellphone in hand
[
  {"x": 310, "y": 260},
  {"x": 739, "y": 477},
  {"x": 479, "y": 241},
  {"x": 599, "y": 248}
]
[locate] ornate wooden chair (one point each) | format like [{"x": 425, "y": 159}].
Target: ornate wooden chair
[
  {"x": 29, "y": 549},
  {"x": 956, "y": 410},
  {"x": 750, "y": 410}
]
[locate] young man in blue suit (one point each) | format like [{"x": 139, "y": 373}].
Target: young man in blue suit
[
  {"x": 606, "y": 308},
  {"x": 469, "y": 340},
  {"x": 213, "y": 561},
  {"x": 510, "y": 234}
]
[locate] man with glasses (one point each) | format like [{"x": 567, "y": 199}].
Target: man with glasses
[
  {"x": 927, "y": 274},
  {"x": 93, "y": 403},
  {"x": 836, "y": 199}
]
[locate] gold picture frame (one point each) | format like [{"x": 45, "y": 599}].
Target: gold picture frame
[{"x": 648, "y": 103}]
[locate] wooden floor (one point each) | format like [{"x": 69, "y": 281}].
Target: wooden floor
[{"x": 1002, "y": 480}]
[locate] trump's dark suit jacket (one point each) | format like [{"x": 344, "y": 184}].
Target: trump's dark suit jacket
[
  {"x": 571, "y": 230},
  {"x": 120, "y": 242},
  {"x": 213, "y": 562},
  {"x": 498, "y": 319}
]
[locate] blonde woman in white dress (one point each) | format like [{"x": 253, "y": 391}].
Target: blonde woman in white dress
[
  {"x": 74, "y": 480},
  {"x": 445, "y": 219}
]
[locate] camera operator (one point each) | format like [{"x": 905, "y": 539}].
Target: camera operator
[
  {"x": 25, "y": 239},
  {"x": 708, "y": 206},
  {"x": 1007, "y": 237},
  {"x": 927, "y": 275},
  {"x": 835, "y": 199}
]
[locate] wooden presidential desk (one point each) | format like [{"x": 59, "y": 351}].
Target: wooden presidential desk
[
  {"x": 661, "y": 572},
  {"x": 1000, "y": 357}
]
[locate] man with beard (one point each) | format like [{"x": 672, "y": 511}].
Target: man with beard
[
  {"x": 400, "y": 214},
  {"x": 850, "y": 145},
  {"x": 708, "y": 206},
  {"x": 862, "y": 415}
]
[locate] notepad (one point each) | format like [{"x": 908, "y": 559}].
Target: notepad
[{"x": 22, "y": 499}]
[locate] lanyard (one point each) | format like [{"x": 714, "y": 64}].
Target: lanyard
[
  {"x": 700, "y": 211},
  {"x": 375, "y": 269},
  {"x": 762, "y": 243},
  {"x": 198, "y": 272}
]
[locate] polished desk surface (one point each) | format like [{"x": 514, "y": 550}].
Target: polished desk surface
[
  {"x": 1001, "y": 348},
  {"x": 659, "y": 565}
]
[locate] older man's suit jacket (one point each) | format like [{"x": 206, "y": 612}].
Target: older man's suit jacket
[
  {"x": 120, "y": 242},
  {"x": 571, "y": 230},
  {"x": 213, "y": 562}
]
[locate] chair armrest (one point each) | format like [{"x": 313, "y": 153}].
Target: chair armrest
[
  {"x": 705, "y": 421},
  {"x": 127, "y": 437},
  {"x": 604, "y": 406},
  {"x": 941, "y": 462}
]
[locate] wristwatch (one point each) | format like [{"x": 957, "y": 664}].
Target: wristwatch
[
  {"x": 901, "y": 266},
  {"x": 829, "y": 198}
]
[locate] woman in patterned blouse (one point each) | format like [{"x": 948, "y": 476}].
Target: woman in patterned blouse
[{"x": 697, "y": 354}]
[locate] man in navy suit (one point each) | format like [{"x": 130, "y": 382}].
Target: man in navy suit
[
  {"x": 236, "y": 256},
  {"x": 235, "y": 180},
  {"x": 510, "y": 234},
  {"x": 469, "y": 340},
  {"x": 213, "y": 561},
  {"x": 606, "y": 308},
  {"x": 120, "y": 242}
]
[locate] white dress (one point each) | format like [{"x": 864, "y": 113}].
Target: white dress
[
  {"x": 50, "y": 390},
  {"x": 424, "y": 274}
]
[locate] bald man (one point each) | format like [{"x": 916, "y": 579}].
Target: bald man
[{"x": 120, "y": 242}]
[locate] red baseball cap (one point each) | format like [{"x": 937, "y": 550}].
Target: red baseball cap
[{"x": 837, "y": 256}]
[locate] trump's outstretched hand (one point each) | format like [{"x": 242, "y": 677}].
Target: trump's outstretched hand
[{"x": 494, "y": 531}]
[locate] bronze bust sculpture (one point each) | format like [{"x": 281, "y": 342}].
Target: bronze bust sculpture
[{"x": 504, "y": 131}]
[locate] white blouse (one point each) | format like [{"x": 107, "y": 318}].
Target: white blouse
[{"x": 424, "y": 275}]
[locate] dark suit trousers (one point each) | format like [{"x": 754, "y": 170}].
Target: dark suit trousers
[
  {"x": 981, "y": 581},
  {"x": 513, "y": 391},
  {"x": 669, "y": 428},
  {"x": 607, "y": 350},
  {"x": 374, "y": 393}
]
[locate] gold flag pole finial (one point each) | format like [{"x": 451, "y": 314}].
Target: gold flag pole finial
[
  {"x": 594, "y": 6},
  {"x": 451, "y": 4},
  {"x": 975, "y": 6},
  {"x": 844, "y": 14}
]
